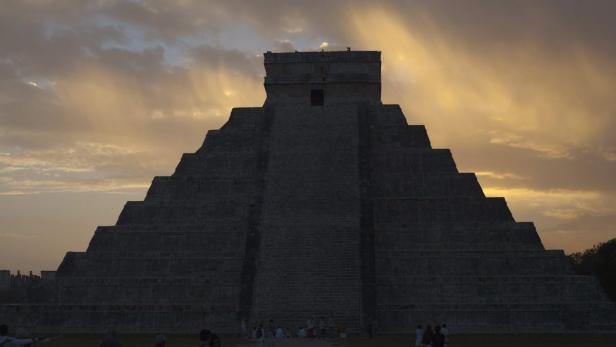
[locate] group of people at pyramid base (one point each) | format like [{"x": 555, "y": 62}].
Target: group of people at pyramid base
[
  {"x": 318, "y": 329},
  {"x": 439, "y": 337}
]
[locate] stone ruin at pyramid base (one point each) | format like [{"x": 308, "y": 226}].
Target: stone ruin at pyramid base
[{"x": 323, "y": 202}]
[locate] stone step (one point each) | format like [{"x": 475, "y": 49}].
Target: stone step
[
  {"x": 474, "y": 253},
  {"x": 204, "y": 205},
  {"x": 219, "y": 164},
  {"x": 110, "y": 240},
  {"x": 603, "y": 306},
  {"x": 150, "y": 319},
  {"x": 498, "y": 289},
  {"x": 140, "y": 212},
  {"x": 230, "y": 140},
  {"x": 196, "y": 189},
  {"x": 84, "y": 264},
  {"x": 394, "y": 136},
  {"x": 439, "y": 210},
  {"x": 138, "y": 280},
  {"x": 410, "y": 185},
  {"x": 149, "y": 293},
  {"x": 387, "y": 115},
  {"x": 413, "y": 161},
  {"x": 505, "y": 278},
  {"x": 205, "y": 227},
  {"x": 400, "y": 264},
  {"x": 215, "y": 254},
  {"x": 460, "y": 236}
]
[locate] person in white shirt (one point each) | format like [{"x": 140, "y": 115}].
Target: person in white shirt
[
  {"x": 8, "y": 341},
  {"x": 445, "y": 332},
  {"x": 260, "y": 336},
  {"x": 418, "y": 336}
]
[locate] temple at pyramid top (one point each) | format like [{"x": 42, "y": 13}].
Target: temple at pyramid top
[{"x": 323, "y": 78}]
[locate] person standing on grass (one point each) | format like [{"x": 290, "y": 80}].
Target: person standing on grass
[
  {"x": 418, "y": 336},
  {"x": 426, "y": 339},
  {"x": 445, "y": 331},
  {"x": 438, "y": 340},
  {"x": 260, "y": 335},
  {"x": 208, "y": 339},
  {"x": 161, "y": 341},
  {"x": 310, "y": 328},
  {"x": 279, "y": 333}
]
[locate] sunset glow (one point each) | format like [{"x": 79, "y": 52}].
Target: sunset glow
[{"x": 97, "y": 98}]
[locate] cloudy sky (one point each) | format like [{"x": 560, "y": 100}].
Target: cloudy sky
[{"x": 97, "y": 97}]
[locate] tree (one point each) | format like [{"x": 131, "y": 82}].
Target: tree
[{"x": 599, "y": 261}]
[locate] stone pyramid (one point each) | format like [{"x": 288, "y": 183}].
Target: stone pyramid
[{"x": 323, "y": 201}]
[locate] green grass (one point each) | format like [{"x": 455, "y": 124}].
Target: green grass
[
  {"x": 490, "y": 340},
  {"x": 134, "y": 341},
  {"x": 379, "y": 341}
]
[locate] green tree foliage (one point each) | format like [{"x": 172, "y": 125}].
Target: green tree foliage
[{"x": 599, "y": 261}]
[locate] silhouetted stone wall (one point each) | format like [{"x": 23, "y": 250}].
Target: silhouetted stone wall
[{"x": 342, "y": 209}]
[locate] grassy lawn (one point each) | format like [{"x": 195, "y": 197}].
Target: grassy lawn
[
  {"x": 135, "y": 341},
  {"x": 489, "y": 341},
  {"x": 380, "y": 341}
]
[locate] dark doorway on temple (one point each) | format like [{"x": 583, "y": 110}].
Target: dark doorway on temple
[{"x": 317, "y": 97}]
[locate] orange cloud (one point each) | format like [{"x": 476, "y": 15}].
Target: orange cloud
[{"x": 100, "y": 97}]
